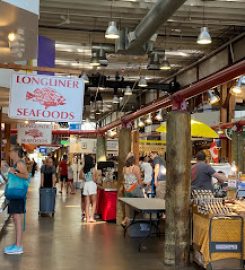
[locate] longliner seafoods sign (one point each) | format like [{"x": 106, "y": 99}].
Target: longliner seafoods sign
[
  {"x": 34, "y": 133},
  {"x": 46, "y": 98}
]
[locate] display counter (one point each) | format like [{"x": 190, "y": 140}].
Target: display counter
[{"x": 106, "y": 203}]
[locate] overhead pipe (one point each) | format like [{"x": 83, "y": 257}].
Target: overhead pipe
[{"x": 157, "y": 16}]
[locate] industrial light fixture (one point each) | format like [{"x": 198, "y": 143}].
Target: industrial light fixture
[
  {"x": 165, "y": 64},
  {"x": 12, "y": 36},
  {"x": 141, "y": 124},
  {"x": 142, "y": 82},
  {"x": 159, "y": 117},
  {"x": 115, "y": 100},
  {"x": 154, "y": 63},
  {"x": 239, "y": 89},
  {"x": 220, "y": 131},
  {"x": 94, "y": 60},
  {"x": 112, "y": 31},
  {"x": 213, "y": 97},
  {"x": 128, "y": 91},
  {"x": 85, "y": 78},
  {"x": 204, "y": 36},
  {"x": 92, "y": 116},
  {"x": 148, "y": 120},
  {"x": 102, "y": 58}
]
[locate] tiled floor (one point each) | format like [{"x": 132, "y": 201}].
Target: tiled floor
[{"x": 63, "y": 242}]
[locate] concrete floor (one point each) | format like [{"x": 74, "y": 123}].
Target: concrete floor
[{"x": 64, "y": 242}]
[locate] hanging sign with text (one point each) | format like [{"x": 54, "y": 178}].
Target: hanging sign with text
[
  {"x": 34, "y": 134},
  {"x": 46, "y": 98}
]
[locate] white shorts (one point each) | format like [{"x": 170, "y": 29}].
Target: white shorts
[{"x": 90, "y": 188}]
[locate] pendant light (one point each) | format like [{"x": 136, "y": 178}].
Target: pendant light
[
  {"x": 154, "y": 63},
  {"x": 85, "y": 78},
  {"x": 94, "y": 60},
  {"x": 148, "y": 120},
  {"x": 141, "y": 124},
  {"x": 142, "y": 82},
  {"x": 159, "y": 117},
  {"x": 204, "y": 36},
  {"x": 239, "y": 89},
  {"x": 128, "y": 91},
  {"x": 115, "y": 100},
  {"x": 165, "y": 64},
  {"x": 213, "y": 97},
  {"x": 112, "y": 31},
  {"x": 102, "y": 58}
]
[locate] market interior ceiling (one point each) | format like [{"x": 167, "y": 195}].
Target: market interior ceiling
[{"x": 78, "y": 28}]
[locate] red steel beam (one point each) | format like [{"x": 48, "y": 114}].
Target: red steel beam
[{"x": 218, "y": 78}]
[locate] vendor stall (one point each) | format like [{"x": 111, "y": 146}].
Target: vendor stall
[{"x": 218, "y": 232}]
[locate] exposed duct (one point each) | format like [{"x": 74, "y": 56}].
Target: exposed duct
[{"x": 156, "y": 17}]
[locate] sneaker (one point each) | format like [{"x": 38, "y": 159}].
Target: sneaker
[
  {"x": 14, "y": 250},
  {"x": 8, "y": 247}
]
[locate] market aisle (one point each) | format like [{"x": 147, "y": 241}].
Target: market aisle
[{"x": 65, "y": 243}]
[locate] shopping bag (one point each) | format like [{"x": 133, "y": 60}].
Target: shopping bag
[{"x": 16, "y": 187}]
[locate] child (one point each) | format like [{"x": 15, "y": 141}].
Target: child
[{"x": 70, "y": 179}]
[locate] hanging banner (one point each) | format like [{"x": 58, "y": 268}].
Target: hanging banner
[
  {"x": 46, "y": 98},
  {"x": 34, "y": 134}
]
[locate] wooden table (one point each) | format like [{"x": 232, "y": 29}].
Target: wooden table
[{"x": 145, "y": 206}]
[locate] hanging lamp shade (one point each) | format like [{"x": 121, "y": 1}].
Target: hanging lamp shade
[
  {"x": 102, "y": 58},
  {"x": 115, "y": 100},
  {"x": 238, "y": 90},
  {"x": 148, "y": 120},
  {"x": 204, "y": 36},
  {"x": 85, "y": 78},
  {"x": 128, "y": 91},
  {"x": 112, "y": 31},
  {"x": 159, "y": 117},
  {"x": 213, "y": 98},
  {"x": 141, "y": 124},
  {"x": 142, "y": 82},
  {"x": 154, "y": 63},
  {"x": 165, "y": 64},
  {"x": 94, "y": 60}
]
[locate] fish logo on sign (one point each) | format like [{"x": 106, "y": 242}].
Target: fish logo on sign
[
  {"x": 47, "y": 97},
  {"x": 35, "y": 133}
]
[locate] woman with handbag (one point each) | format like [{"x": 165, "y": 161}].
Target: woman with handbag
[
  {"x": 16, "y": 207},
  {"x": 132, "y": 184}
]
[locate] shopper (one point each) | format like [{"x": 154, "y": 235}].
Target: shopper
[
  {"x": 90, "y": 188},
  {"x": 132, "y": 184},
  {"x": 17, "y": 207},
  {"x": 202, "y": 173},
  {"x": 159, "y": 175},
  {"x": 70, "y": 180},
  {"x": 48, "y": 177},
  {"x": 63, "y": 171},
  {"x": 147, "y": 171},
  {"x": 82, "y": 182},
  {"x": 34, "y": 167}
]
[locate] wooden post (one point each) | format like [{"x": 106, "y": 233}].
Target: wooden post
[
  {"x": 238, "y": 144},
  {"x": 124, "y": 149},
  {"x": 223, "y": 119},
  {"x": 135, "y": 145},
  {"x": 177, "y": 229},
  {"x": 101, "y": 149}
]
